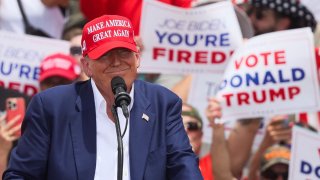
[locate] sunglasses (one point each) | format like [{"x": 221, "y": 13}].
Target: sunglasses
[
  {"x": 192, "y": 126},
  {"x": 269, "y": 174},
  {"x": 75, "y": 50}
]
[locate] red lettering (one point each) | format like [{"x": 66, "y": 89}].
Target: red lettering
[
  {"x": 265, "y": 57},
  {"x": 293, "y": 91},
  {"x": 275, "y": 94},
  {"x": 158, "y": 52},
  {"x": 218, "y": 57},
  {"x": 190, "y": 57},
  {"x": 14, "y": 86},
  {"x": 254, "y": 60},
  {"x": 1, "y": 83},
  {"x": 238, "y": 63},
  {"x": 171, "y": 55},
  {"x": 184, "y": 56},
  {"x": 201, "y": 57},
  {"x": 279, "y": 57},
  {"x": 243, "y": 98},
  {"x": 30, "y": 90},
  {"x": 228, "y": 96},
  {"x": 263, "y": 98},
  {"x": 231, "y": 52}
]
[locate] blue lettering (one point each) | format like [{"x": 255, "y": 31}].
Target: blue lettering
[
  {"x": 160, "y": 36},
  {"x": 224, "y": 39},
  {"x": 268, "y": 78},
  {"x": 36, "y": 73},
  {"x": 281, "y": 78},
  {"x": 24, "y": 70},
  {"x": 254, "y": 80},
  {"x": 316, "y": 171},
  {"x": 195, "y": 39},
  {"x": 305, "y": 167},
  {"x": 211, "y": 39},
  {"x": 236, "y": 81},
  {"x": 175, "y": 39},
  {"x": 297, "y": 74},
  {"x": 223, "y": 84},
  {"x": 9, "y": 69}
]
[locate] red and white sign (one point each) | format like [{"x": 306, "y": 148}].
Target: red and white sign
[
  {"x": 196, "y": 40},
  {"x": 20, "y": 57},
  {"x": 270, "y": 74}
]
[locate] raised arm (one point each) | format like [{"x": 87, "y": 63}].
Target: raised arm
[
  {"x": 29, "y": 159},
  {"x": 219, "y": 153},
  {"x": 240, "y": 142}
]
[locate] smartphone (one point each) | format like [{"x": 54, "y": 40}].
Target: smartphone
[{"x": 15, "y": 106}]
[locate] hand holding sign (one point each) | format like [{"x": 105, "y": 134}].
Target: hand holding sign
[
  {"x": 279, "y": 129},
  {"x": 213, "y": 111}
]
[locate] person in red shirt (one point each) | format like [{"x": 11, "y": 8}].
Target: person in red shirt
[
  {"x": 128, "y": 8},
  {"x": 193, "y": 125}
]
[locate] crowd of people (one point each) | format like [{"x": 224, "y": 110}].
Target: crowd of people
[{"x": 46, "y": 149}]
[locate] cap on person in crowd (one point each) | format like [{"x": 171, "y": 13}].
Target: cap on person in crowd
[
  {"x": 192, "y": 112},
  {"x": 277, "y": 154},
  {"x": 105, "y": 33},
  {"x": 61, "y": 65},
  {"x": 243, "y": 19},
  {"x": 299, "y": 14}
]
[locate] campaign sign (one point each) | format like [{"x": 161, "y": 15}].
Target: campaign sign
[
  {"x": 197, "y": 40},
  {"x": 270, "y": 74},
  {"x": 203, "y": 87},
  {"x": 305, "y": 155},
  {"x": 20, "y": 57}
]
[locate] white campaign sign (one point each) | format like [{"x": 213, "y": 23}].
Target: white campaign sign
[
  {"x": 197, "y": 40},
  {"x": 305, "y": 155},
  {"x": 203, "y": 87},
  {"x": 271, "y": 74},
  {"x": 20, "y": 57}
]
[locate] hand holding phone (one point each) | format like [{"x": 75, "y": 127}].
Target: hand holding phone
[
  {"x": 15, "y": 109},
  {"x": 7, "y": 133}
]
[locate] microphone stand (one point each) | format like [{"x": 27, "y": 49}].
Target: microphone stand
[{"x": 120, "y": 143}]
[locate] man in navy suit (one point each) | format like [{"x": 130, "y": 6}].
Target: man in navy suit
[{"x": 69, "y": 131}]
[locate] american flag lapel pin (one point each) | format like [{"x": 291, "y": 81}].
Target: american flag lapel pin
[{"x": 145, "y": 117}]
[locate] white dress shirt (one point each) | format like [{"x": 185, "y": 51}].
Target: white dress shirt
[{"x": 107, "y": 145}]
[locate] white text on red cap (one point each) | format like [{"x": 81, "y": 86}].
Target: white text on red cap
[{"x": 56, "y": 63}]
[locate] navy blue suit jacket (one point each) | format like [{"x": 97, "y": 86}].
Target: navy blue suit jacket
[{"x": 59, "y": 136}]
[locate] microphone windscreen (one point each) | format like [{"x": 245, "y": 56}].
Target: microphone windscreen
[{"x": 117, "y": 82}]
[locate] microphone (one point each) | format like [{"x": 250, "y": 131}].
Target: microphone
[{"x": 122, "y": 98}]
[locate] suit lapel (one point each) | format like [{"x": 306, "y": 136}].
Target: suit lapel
[
  {"x": 83, "y": 133},
  {"x": 141, "y": 125}
]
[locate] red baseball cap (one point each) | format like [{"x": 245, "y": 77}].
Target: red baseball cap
[
  {"x": 105, "y": 33},
  {"x": 59, "y": 65}
]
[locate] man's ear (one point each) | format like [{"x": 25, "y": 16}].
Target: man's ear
[
  {"x": 283, "y": 24},
  {"x": 85, "y": 66},
  {"x": 137, "y": 59}
]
